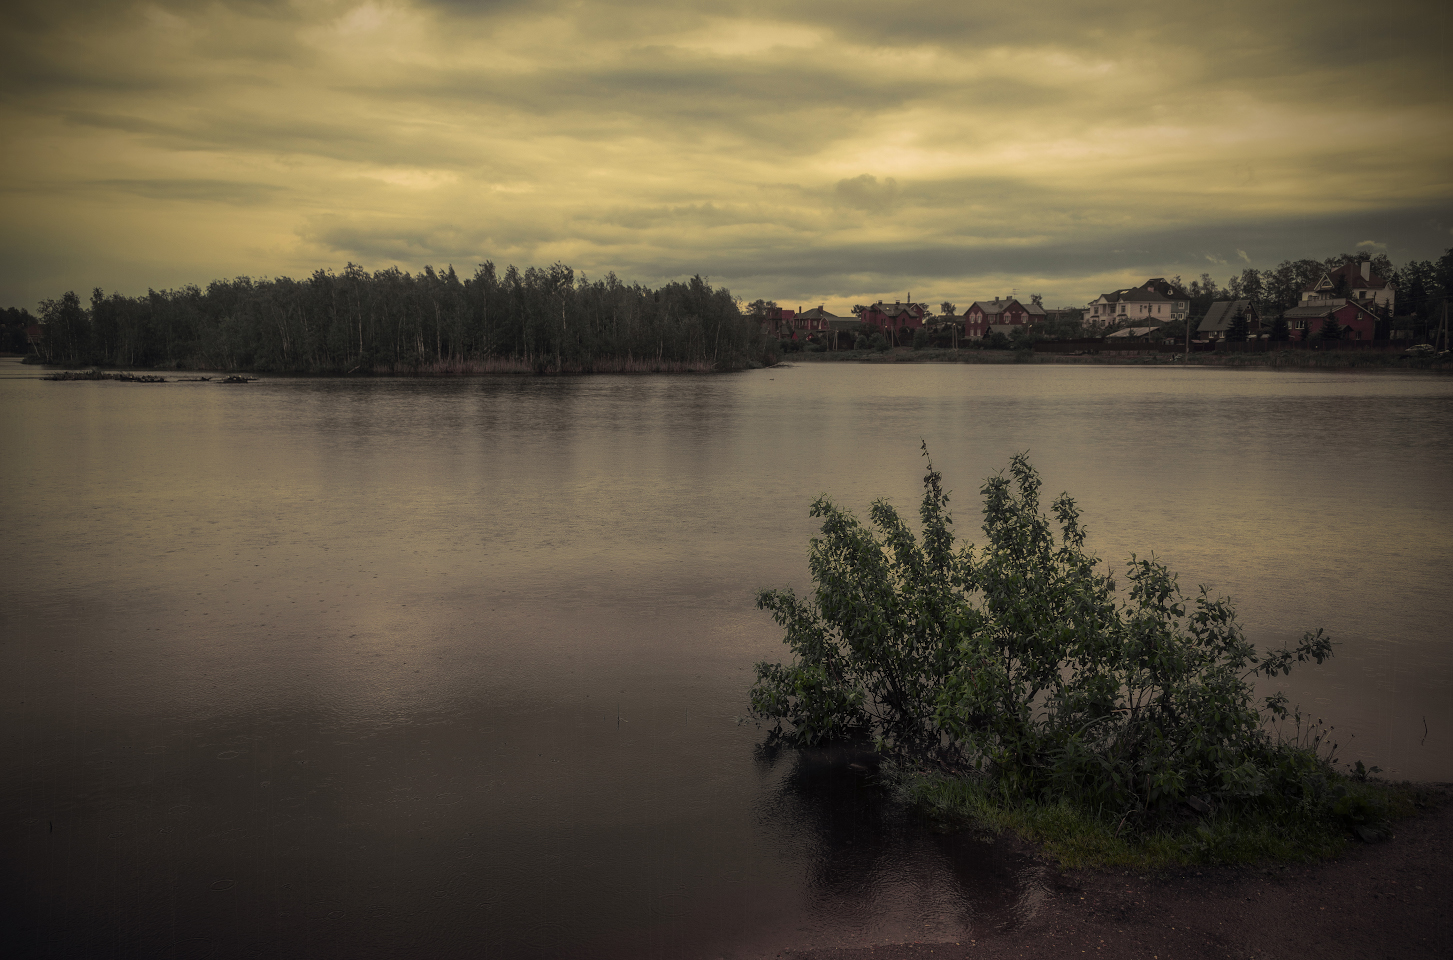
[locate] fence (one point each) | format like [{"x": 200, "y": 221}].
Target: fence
[{"x": 1097, "y": 345}]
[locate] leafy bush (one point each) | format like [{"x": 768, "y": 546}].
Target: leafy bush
[{"x": 1022, "y": 664}]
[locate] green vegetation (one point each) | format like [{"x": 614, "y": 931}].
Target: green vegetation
[
  {"x": 390, "y": 321},
  {"x": 1017, "y": 685},
  {"x": 1239, "y": 329},
  {"x": 1075, "y": 836}
]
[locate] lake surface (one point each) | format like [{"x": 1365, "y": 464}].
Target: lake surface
[{"x": 375, "y": 668}]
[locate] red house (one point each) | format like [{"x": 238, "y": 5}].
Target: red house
[
  {"x": 988, "y": 316},
  {"x": 813, "y": 322},
  {"x": 1355, "y": 320},
  {"x": 893, "y": 319}
]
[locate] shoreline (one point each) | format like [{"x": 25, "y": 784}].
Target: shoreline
[
  {"x": 1284, "y": 360},
  {"x": 1388, "y": 899}
]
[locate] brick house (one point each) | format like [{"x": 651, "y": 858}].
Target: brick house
[
  {"x": 814, "y": 321},
  {"x": 997, "y": 316},
  {"x": 895, "y": 319}
]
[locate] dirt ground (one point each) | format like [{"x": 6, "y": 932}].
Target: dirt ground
[{"x": 1389, "y": 900}]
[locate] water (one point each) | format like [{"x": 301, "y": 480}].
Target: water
[{"x": 389, "y": 667}]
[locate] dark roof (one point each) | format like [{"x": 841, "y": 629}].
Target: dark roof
[
  {"x": 1163, "y": 287},
  {"x": 1220, "y": 314},
  {"x": 997, "y": 306},
  {"x": 818, "y": 313},
  {"x": 1352, "y": 273},
  {"x": 897, "y": 309},
  {"x": 1134, "y": 295}
]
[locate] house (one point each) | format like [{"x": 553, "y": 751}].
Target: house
[
  {"x": 777, "y": 322},
  {"x": 813, "y": 322},
  {"x": 893, "y": 319},
  {"x": 997, "y": 316},
  {"x": 1180, "y": 305},
  {"x": 1351, "y": 281},
  {"x": 1155, "y": 300},
  {"x": 1356, "y": 321},
  {"x": 1220, "y": 315},
  {"x": 817, "y": 322}
]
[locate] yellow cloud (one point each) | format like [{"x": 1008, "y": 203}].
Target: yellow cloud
[{"x": 824, "y": 153}]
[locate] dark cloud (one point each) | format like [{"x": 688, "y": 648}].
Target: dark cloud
[{"x": 818, "y": 146}]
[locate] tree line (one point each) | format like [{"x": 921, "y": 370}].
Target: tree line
[{"x": 391, "y": 321}]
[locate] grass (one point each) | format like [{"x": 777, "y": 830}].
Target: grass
[
  {"x": 1074, "y": 837},
  {"x": 909, "y": 355}
]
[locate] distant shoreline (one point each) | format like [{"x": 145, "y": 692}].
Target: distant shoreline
[{"x": 1283, "y": 360}]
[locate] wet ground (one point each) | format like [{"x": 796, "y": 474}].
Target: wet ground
[{"x": 1387, "y": 900}]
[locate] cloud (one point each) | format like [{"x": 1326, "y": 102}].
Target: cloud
[
  {"x": 835, "y": 148},
  {"x": 864, "y": 192},
  {"x": 196, "y": 189}
]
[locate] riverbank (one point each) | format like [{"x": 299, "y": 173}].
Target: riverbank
[
  {"x": 1287, "y": 359},
  {"x": 442, "y": 370},
  {"x": 1378, "y": 900}
]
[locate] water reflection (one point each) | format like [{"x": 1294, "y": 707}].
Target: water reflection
[
  {"x": 451, "y": 668},
  {"x": 876, "y": 870}
]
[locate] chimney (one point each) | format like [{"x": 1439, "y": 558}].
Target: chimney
[{"x": 1366, "y": 269}]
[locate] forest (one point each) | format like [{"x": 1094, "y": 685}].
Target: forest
[{"x": 393, "y": 322}]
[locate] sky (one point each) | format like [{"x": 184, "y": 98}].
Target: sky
[{"x": 808, "y": 151}]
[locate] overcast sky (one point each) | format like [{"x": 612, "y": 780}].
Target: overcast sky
[{"x": 818, "y": 151}]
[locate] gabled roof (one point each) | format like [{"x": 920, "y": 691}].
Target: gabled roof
[
  {"x": 1220, "y": 314},
  {"x": 1163, "y": 287},
  {"x": 997, "y": 306},
  {"x": 1352, "y": 273},
  {"x": 1134, "y": 295},
  {"x": 818, "y": 313},
  {"x": 897, "y": 308}
]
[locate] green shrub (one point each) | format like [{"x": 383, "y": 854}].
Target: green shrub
[{"x": 1021, "y": 663}]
